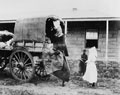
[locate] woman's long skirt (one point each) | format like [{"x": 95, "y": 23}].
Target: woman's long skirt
[{"x": 91, "y": 72}]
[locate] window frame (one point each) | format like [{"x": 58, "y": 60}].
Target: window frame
[{"x": 91, "y": 30}]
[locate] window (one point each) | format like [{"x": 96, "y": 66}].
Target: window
[{"x": 91, "y": 38}]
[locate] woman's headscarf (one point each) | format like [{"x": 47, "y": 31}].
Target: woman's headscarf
[
  {"x": 92, "y": 54},
  {"x": 93, "y": 51}
]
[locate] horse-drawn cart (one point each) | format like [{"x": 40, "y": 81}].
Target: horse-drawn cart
[{"x": 31, "y": 53}]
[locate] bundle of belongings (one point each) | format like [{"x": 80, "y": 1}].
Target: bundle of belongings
[
  {"x": 55, "y": 58},
  {"x": 6, "y": 38}
]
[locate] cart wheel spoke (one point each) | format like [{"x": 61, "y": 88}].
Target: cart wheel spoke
[
  {"x": 14, "y": 60},
  {"x": 24, "y": 57},
  {"x": 29, "y": 70},
  {"x": 28, "y": 64},
  {"x": 20, "y": 74},
  {"x": 24, "y": 76},
  {"x": 26, "y": 60},
  {"x": 17, "y": 57},
  {"x": 28, "y": 73},
  {"x": 21, "y": 55},
  {"x": 17, "y": 73},
  {"x": 16, "y": 70},
  {"x": 18, "y": 54}
]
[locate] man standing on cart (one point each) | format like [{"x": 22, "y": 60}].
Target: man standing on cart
[{"x": 55, "y": 32}]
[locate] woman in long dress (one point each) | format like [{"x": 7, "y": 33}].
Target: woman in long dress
[{"x": 91, "y": 70}]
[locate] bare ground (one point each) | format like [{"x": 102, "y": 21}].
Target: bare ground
[{"x": 76, "y": 86}]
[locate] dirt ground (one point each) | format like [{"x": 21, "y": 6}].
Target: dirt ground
[{"x": 76, "y": 86}]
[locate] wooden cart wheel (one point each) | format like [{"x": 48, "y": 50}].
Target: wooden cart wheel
[
  {"x": 41, "y": 72},
  {"x": 22, "y": 65},
  {"x": 40, "y": 69}
]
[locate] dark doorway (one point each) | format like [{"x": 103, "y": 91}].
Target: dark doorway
[
  {"x": 7, "y": 26},
  {"x": 91, "y": 43}
]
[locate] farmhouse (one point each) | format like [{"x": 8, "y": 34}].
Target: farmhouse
[{"x": 84, "y": 30}]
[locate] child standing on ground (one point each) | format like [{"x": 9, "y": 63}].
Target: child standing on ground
[{"x": 82, "y": 64}]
